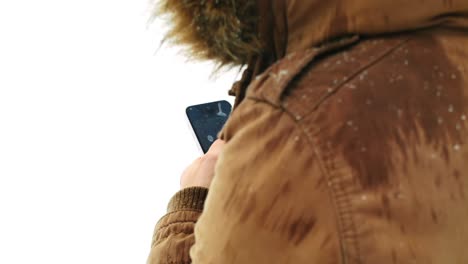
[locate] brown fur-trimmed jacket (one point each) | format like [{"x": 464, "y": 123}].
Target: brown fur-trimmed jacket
[{"x": 349, "y": 138}]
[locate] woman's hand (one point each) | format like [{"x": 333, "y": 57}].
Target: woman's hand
[{"x": 200, "y": 173}]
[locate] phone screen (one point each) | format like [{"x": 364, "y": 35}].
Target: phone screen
[{"x": 207, "y": 120}]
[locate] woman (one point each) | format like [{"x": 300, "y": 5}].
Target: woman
[{"x": 348, "y": 142}]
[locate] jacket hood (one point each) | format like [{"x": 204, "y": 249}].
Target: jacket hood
[{"x": 232, "y": 32}]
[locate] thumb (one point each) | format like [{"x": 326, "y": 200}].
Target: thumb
[{"x": 216, "y": 147}]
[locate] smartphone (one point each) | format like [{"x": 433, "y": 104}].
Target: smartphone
[{"x": 206, "y": 120}]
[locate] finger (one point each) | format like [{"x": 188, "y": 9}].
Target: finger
[{"x": 216, "y": 147}]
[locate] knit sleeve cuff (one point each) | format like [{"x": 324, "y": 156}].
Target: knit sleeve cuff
[{"x": 188, "y": 199}]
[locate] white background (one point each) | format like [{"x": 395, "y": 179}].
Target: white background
[{"x": 92, "y": 131}]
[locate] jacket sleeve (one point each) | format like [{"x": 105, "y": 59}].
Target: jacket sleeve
[
  {"x": 173, "y": 236},
  {"x": 265, "y": 196}
]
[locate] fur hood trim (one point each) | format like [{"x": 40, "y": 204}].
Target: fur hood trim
[{"x": 224, "y": 31}]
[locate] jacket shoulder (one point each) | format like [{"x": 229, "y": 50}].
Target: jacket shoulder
[{"x": 301, "y": 81}]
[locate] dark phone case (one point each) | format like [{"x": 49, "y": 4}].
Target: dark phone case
[{"x": 207, "y": 120}]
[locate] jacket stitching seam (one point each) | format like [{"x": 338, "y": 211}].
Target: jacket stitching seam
[
  {"x": 342, "y": 201},
  {"x": 273, "y": 105},
  {"x": 357, "y": 73},
  {"x": 331, "y": 194},
  {"x": 336, "y": 88},
  {"x": 300, "y": 127},
  {"x": 339, "y": 201}
]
